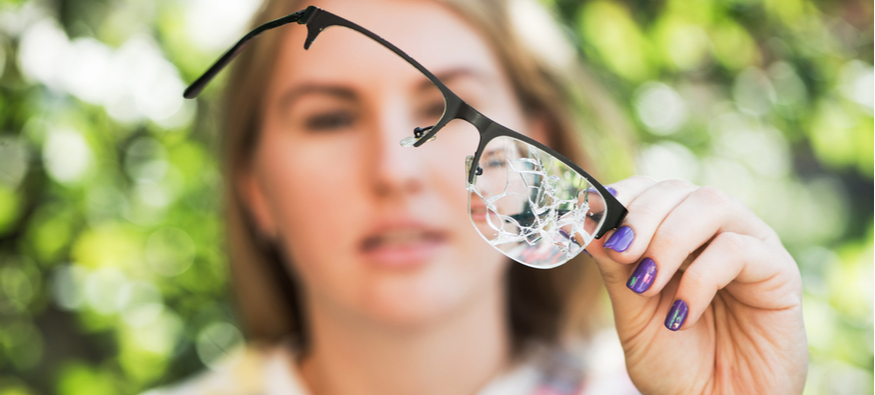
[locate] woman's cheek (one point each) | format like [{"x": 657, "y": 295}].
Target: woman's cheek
[{"x": 313, "y": 188}]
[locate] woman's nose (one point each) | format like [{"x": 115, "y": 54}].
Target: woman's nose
[{"x": 397, "y": 170}]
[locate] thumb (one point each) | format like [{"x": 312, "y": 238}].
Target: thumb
[
  {"x": 616, "y": 276},
  {"x": 627, "y": 305}
]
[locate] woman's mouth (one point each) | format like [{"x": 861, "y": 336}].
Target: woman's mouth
[
  {"x": 402, "y": 247},
  {"x": 478, "y": 213}
]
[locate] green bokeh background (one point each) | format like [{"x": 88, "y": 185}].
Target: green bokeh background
[{"x": 113, "y": 277}]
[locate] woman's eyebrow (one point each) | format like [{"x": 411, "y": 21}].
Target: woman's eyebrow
[
  {"x": 491, "y": 152},
  {"x": 447, "y": 76},
  {"x": 294, "y": 94}
]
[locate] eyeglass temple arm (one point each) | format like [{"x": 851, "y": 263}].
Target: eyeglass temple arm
[{"x": 198, "y": 85}]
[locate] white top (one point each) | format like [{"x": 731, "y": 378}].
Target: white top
[{"x": 273, "y": 371}]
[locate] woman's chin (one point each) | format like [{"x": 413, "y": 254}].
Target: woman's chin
[
  {"x": 409, "y": 288},
  {"x": 413, "y": 302}
]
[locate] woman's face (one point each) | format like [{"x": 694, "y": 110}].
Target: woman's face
[{"x": 375, "y": 230}]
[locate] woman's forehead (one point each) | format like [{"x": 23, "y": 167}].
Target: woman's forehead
[{"x": 428, "y": 31}]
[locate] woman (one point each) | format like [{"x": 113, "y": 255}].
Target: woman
[{"x": 359, "y": 254}]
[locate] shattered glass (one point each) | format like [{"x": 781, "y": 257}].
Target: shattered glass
[{"x": 531, "y": 206}]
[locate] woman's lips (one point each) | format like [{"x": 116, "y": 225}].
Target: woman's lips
[
  {"x": 478, "y": 214},
  {"x": 402, "y": 246},
  {"x": 477, "y": 208}
]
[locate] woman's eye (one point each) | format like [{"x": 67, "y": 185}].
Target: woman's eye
[
  {"x": 494, "y": 163},
  {"x": 433, "y": 111},
  {"x": 329, "y": 121}
]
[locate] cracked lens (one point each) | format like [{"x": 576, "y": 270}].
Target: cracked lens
[{"x": 531, "y": 206}]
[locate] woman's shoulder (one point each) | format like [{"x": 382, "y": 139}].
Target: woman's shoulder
[{"x": 253, "y": 369}]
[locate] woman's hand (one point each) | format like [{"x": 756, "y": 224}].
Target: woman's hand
[{"x": 705, "y": 297}]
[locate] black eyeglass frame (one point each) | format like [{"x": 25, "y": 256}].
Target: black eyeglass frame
[{"x": 318, "y": 20}]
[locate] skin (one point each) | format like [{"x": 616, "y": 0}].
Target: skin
[
  {"x": 743, "y": 289},
  {"x": 434, "y": 323},
  {"x": 427, "y": 315}
]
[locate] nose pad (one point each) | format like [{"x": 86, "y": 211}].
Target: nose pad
[
  {"x": 469, "y": 160},
  {"x": 418, "y": 132}
]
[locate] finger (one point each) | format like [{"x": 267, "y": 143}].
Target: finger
[
  {"x": 729, "y": 257},
  {"x": 673, "y": 219},
  {"x": 701, "y": 216},
  {"x": 626, "y": 191},
  {"x": 631, "y": 187},
  {"x": 646, "y": 212}
]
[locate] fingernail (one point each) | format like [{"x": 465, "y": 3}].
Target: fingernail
[
  {"x": 610, "y": 190},
  {"x": 677, "y": 315},
  {"x": 643, "y": 276},
  {"x": 621, "y": 239}
]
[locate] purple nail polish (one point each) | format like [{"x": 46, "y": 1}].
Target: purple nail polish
[
  {"x": 621, "y": 239},
  {"x": 643, "y": 276},
  {"x": 677, "y": 315},
  {"x": 610, "y": 190}
]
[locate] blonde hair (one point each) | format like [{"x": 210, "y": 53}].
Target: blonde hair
[{"x": 543, "y": 305}]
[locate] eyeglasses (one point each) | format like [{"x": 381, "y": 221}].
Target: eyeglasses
[{"x": 525, "y": 199}]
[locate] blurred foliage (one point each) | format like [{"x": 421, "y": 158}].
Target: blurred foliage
[{"x": 113, "y": 277}]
